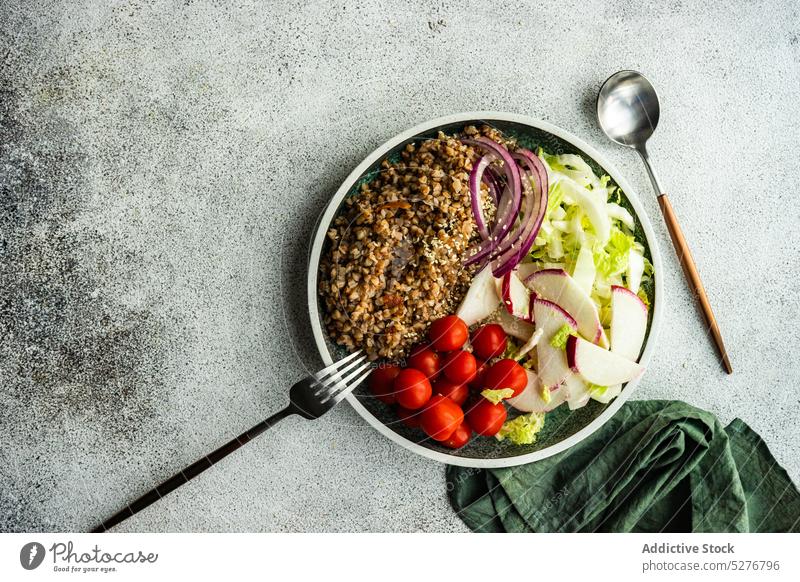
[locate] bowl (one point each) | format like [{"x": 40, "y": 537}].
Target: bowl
[{"x": 563, "y": 428}]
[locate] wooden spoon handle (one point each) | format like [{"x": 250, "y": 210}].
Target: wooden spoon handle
[{"x": 692, "y": 276}]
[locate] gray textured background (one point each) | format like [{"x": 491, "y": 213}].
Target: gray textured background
[{"x": 162, "y": 165}]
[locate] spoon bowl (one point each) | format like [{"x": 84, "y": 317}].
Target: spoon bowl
[{"x": 628, "y": 109}]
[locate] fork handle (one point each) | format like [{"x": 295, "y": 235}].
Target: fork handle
[
  {"x": 693, "y": 277},
  {"x": 192, "y": 471}
]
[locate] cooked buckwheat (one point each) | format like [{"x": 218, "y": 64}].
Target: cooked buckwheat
[{"x": 393, "y": 261}]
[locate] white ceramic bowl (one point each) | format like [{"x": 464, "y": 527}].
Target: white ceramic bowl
[{"x": 508, "y": 458}]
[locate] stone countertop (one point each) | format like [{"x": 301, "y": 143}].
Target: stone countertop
[{"x": 162, "y": 167}]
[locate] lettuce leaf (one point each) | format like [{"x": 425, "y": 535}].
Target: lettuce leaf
[
  {"x": 611, "y": 259},
  {"x": 595, "y": 389},
  {"x": 496, "y": 396},
  {"x": 585, "y": 230},
  {"x": 523, "y": 429},
  {"x": 559, "y": 339}
]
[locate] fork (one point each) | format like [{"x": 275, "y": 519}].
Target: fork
[{"x": 310, "y": 398}]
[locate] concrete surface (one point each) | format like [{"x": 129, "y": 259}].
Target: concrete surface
[{"x": 162, "y": 165}]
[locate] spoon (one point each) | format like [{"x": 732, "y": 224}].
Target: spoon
[{"x": 628, "y": 111}]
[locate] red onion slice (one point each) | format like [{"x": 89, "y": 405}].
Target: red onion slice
[
  {"x": 507, "y": 207},
  {"x": 531, "y": 221},
  {"x": 536, "y": 166},
  {"x": 503, "y": 260},
  {"x": 491, "y": 180},
  {"x": 475, "y": 180}
]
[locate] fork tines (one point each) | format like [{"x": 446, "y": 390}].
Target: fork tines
[{"x": 331, "y": 384}]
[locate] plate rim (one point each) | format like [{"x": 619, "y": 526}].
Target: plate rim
[{"x": 328, "y": 214}]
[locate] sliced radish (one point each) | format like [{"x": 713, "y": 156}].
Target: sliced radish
[
  {"x": 481, "y": 299},
  {"x": 550, "y": 318},
  {"x": 516, "y": 296},
  {"x": 513, "y": 326},
  {"x": 529, "y": 345},
  {"x": 584, "y": 271},
  {"x": 628, "y": 322},
  {"x": 557, "y": 286},
  {"x": 578, "y": 394},
  {"x": 531, "y": 298},
  {"x": 628, "y": 328},
  {"x": 530, "y": 399},
  {"x": 525, "y": 270},
  {"x": 599, "y": 366},
  {"x": 635, "y": 270},
  {"x": 608, "y": 394}
]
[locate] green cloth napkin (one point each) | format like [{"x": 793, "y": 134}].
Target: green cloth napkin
[{"x": 654, "y": 466}]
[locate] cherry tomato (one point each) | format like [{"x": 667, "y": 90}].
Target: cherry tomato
[
  {"x": 506, "y": 374},
  {"x": 489, "y": 341},
  {"x": 412, "y": 389},
  {"x": 381, "y": 382},
  {"x": 456, "y": 392},
  {"x": 448, "y": 333},
  {"x": 441, "y": 417},
  {"x": 486, "y": 418},
  {"x": 477, "y": 381},
  {"x": 425, "y": 360},
  {"x": 459, "y": 367},
  {"x": 410, "y": 418},
  {"x": 460, "y": 436}
]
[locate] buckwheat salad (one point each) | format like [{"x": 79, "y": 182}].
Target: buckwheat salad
[{"x": 486, "y": 279}]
